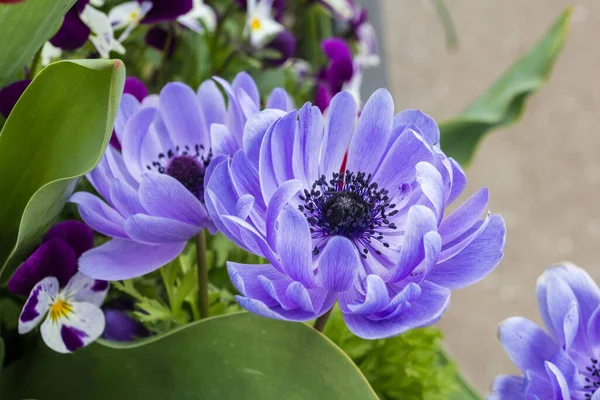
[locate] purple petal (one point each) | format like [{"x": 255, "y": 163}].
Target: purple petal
[
  {"x": 157, "y": 230},
  {"x": 212, "y": 104},
  {"x": 121, "y": 259},
  {"x": 371, "y": 133},
  {"x": 53, "y": 258},
  {"x": 255, "y": 130},
  {"x": 222, "y": 141},
  {"x": 432, "y": 185},
  {"x": 73, "y": 33},
  {"x": 282, "y": 147},
  {"x": 322, "y": 97},
  {"x": 280, "y": 100},
  {"x": 294, "y": 245},
  {"x": 459, "y": 181},
  {"x": 132, "y": 138},
  {"x": 76, "y": 234},
  {"x": 307, "y": 145},
  {"x": 285, "y": 44},
  {"x": 243, "y": 81},
  {"x": 424, "y": 122},
  {"x": 125, "y": 199},
  {"x": 280, "y": 199},
  {"x": 167, "y": 10},
  {"x": 464, "y": 217},
  {"x": 136, "y": 88},
  {"x": 120, "y": 327},
  {"x": 9, "y": 95},
  {"x": 559, "y": 383},
  {"x": 98, "y": 215},
  {"x": 476, "y": 260},
  {"x": 339, "y": 125},
  {"x": 338, "y": 264},
  {"x": 508, "y": 387}
]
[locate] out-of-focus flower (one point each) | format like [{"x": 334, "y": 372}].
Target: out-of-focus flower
[
  {"x": 9, "y": 95},
  {"x": 563, "y": 361},
  {"x": 260, "y": 23},
  {"x": 373, "y": 237},
  {"x": 137, "y": 89},
  {"x": 200, "y": 17},
  {"x": 102, "y": 36},
  {"x": 70, "y": 300},
  {"x": 73, "y": 32},
  {"x": 343, "y": 8},
  {"x": 336, "y": 74},
  {"x": 367, "y": 55},
  {"x": 120, "y": 327},
  {"x": 167, "y": 10},
  {"x": 278, "y": 6},
  {"x": 154, "y": 191},
  {"x": 285, "y": 44},
  {"x": 158, "y": 38},
  {"x": 49, "y": 52},
  {"x": 128, "y": 15}
]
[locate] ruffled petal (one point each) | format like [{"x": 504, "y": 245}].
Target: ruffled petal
[
  {"x": 465, "y": 216},
  {"x": 254, "y": 132},
  {"x": 121, "y": 259},
  {"x": 294, "y": 246},
  {"x": 98, "y": 215},
  {"x": 280, "y": 100},
  {"x": 426, "y": 124}
]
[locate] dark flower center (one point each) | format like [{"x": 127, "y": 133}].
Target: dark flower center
[
  {"x": 350, "y": 205},
  {"x": 592, "y": 378},
  {"x": 186, "y": 165}
]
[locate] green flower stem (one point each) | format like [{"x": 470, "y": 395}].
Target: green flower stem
[
  {"x": 465, "y": 390},
  {"x": 203, "y": 301},
  {"x": 322, "y": 320}
]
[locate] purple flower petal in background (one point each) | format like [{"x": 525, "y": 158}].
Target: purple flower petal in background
[
  {"x": 73, "y": 33},
  {"x": 562, "y": 362},
  {"x": 154, "y": 191},
  {"x": 375, "y": 237},
  {"x": 166, "y": 10},
  {"x": 120, "y": 327},
  {"x": 136, "y": 88},
  {"x": 336, "y": 74},
  {"x": 157, "y": 38},
  {"x": 9, "y": 95},
  {"x": 285, "y": 44}
]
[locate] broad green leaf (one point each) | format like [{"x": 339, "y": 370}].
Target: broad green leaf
[
  {"x": 25, "y": 27},
  {"x": 237, "y": 356},
  {"x": 504, "y": 102},
  {"x": 56, "y": 133}
]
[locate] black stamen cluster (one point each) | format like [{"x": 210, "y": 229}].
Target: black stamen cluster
[
  {"x": 350, "y": 205},
  {"x": 187, "y": 165},
  {"x": 592, "y": 383}
]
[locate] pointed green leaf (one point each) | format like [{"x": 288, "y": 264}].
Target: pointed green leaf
[
  {"x": 56, "y": 133},
  {"x": 25, "y": 27},
  {"x": 504, "y": 102},
  {"x": 237, "y": 356}
]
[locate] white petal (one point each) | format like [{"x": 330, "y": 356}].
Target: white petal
[
  {"x": 85, "y": 289},
  {"x": 49, "y": 52},
  {"x": 83, "y": 324},
  {"x": 97, "y": 3},
  {"x": 124, "y": 14},
  {"x": 201, "y": 12},
  {"x": 262, "y": 30},
  {"x": 38, "y": 303},
  {"x": 102, "y": 32},
  {"x": 341, "y": 7}
]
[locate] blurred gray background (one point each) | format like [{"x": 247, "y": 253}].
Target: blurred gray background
[{"x": 543, "y": 173}]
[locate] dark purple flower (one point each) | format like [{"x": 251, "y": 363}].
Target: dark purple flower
[
  {"x": 279, "y": 7},
  {"x": 166, "y": 10},
  {"x": 157, "y": 38},
  {"x": 73, "y": 33},
  {"x": 70, "y": 299},
  {"x": 375, "y": 238},
  {"x": 121, "y": 327},
  {"x": 563, "y": 362},
  {"x": 10, "y": 94},
  {"x": 154, "y": 190},
  {"x": 338, "y": 71},
  {"x": 285, "y": 44}
]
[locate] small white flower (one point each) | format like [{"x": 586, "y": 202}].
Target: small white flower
[
  {"x": 49, "y": 52},
  {"x": 343, "y": 8},
  {"x": 102, "y": 36},
  {"x": 367, "y": 47},
  {"x": 128, "y": 15},
  {"x": 202, "y": 12},
  {"x": 259, "y": 22},
  {"x": 73, "y": 315}
]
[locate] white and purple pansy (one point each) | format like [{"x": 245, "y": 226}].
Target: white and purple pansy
[{"x": 69, "y": 300}]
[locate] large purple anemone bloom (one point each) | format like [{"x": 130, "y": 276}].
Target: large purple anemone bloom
[
  {"x": 154, "y": 191},
  {"x": 374, "y": 237},
  {"x": 563, "y": 362}
]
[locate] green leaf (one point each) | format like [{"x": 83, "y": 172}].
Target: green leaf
[
  {"x": 1, "y": 353},
  {"x": 238, "y": 356},
  {"x": 504, "y": 102},
  {"x": 25, "y": 27},
  {"x": 56, "y": 133}
]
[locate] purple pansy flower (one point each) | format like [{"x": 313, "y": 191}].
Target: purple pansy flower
[
  {"x": 120, "y": 327},
  {"x": 9, "y": 95},
  {"x": 166, "y": 10},
  {"x": 73, "y": 32},
  {"x": 338, "y": 72},
  {"x": 375, "y": 238},
  {"x": 562, "y": 363},
  {"x": 285, "y": 44},
  {"x": 154, "y": 190},
  {"x": 70, "y": 300}
]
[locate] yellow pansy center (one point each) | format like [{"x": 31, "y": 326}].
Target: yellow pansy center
[
  {"x": 134, "y": 15},
  {"x": 60, "y": 309},
  {"x": 255, "y": 24}
]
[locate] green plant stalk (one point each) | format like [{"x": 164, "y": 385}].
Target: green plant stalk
[
  {"x": 322, "y": 321},
  {"x": 203, "y": 300},
  {"x": 466, "y": 391}
]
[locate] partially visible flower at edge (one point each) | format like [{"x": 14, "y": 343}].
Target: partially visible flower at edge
[
  {"x": 54, "y": 288},
  {"x": 120, "y": 326},
  {"x": 563, "y": 362},
  {"x": 9, "y": 95},
  {"x": 154, "y": 191},
  {"x": 137, "y": 89},
  {"x": 374, "y": 238},
  {"x": 199, "y": 12}
]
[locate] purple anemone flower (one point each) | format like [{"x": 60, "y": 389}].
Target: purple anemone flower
[
  {"x": 374, "y": 237},
  {"x": 70, "y": 300},
  {"x": 339, "y": 71},
  {"x": 73, "y": 33},
  {"x": 561, "y": 363},
  {"x": 9, "y": 95},
  {"x": 154, "y": 191},
  {"x": 166, "y": 10}
]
